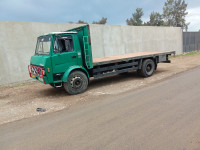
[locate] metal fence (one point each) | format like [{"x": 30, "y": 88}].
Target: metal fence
[{"x": 191, "y": 41}]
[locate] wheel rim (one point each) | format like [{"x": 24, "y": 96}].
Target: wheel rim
[
  {"x": 76, "y": 82},
  {"x": 149, "y": 68}
]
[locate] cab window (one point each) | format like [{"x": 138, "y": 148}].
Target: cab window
[{"x": 63, "y": 44}]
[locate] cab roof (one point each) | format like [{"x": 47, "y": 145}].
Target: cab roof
[{"x": 66, "y": 32}]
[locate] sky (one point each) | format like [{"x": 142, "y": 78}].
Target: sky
[{"x": 63, "y": 11}]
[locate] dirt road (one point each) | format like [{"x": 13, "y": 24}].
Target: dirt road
[
  {"x": 18, "y": 102},
  {"x": 164, "y": 116}
]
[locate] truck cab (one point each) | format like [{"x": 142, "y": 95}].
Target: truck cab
[{"x": 57, "y": 54}]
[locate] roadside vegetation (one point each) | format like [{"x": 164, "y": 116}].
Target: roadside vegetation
[
  {"x": 189, "y": 53},
  {"x": 173, "y": 15},
  {"x": 186, "y": 54}
]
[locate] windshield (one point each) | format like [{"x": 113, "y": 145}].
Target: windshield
[{"x": 43, "y": 45}]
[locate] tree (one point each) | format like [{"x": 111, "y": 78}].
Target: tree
[
  {"x": 156, "y": 19},
  {"x": 136, "y": 18},
  {"x": 82, "y": 22},
  {"x": 102, "y": 21},
  {"x": 174, "y": 13}
]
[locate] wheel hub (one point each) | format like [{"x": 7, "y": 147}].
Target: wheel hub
[
  {"x": 76, "y": 82},
  {"x": 149, "y": 67}
]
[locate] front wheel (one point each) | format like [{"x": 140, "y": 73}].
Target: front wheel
[
  {"x": 77, "y": 83},
  {"x": 148, "y": 68}
]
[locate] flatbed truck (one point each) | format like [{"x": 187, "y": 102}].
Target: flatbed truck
[{"x": 65, "y": 59}]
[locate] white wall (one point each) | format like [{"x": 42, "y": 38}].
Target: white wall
[{"x": 108, "y": 40}]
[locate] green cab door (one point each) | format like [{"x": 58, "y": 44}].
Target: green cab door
[{"x": 64, "y": 54}]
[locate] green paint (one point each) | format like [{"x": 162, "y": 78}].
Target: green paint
[
  {"x": 83, "y": 34},
  {"x": 62, "y": 63},
  {"x": 72, "y": 68}
]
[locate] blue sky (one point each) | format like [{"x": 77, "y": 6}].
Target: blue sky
[{"x": 63, "y": 11}]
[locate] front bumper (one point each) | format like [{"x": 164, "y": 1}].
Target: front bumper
[{"x": 37, "y": 73}]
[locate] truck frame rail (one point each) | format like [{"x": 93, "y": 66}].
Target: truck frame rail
[{"x": 107, "y": 66}]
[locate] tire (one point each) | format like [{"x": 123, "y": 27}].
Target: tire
[
  {"x": 77, "y": 83},
  {"x": 148, "y": 68}
]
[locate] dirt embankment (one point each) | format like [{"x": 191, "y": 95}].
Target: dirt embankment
[{"x": 18, "y": 102}]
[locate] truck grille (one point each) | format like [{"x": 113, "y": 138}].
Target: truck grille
[{"x": 38, "y": 71}]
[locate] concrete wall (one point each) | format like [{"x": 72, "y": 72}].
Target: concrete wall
[
  {"x": 108, "y": 40},
  {"x": 18, "y": 39},
  {"x": 17, "y": 45}
]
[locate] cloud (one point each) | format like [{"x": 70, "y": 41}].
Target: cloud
[{"x": 194, "y": 18}]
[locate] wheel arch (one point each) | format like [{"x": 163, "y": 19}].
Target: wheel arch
[
  {"x": 74, "y": 68},
  {"x": 154, "y": 58}
]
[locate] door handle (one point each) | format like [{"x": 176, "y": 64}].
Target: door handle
[{"x": 74, "y": 56}]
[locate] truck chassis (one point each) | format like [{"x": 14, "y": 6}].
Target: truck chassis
[{"x": 108, "y": 66}]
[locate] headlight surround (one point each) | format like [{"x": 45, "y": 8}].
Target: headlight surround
[{"x": 43, "y": 72}]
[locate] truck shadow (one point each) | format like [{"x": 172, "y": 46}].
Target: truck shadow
[
  {"x": 96, "y": 83},
  {"x": 55, "y": 92},
  {"x": 125, "y": 77}
]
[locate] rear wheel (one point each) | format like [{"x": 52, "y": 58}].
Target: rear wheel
[
  {"x": 77, "y": 83},
  {"x": 148, "y": 68}
]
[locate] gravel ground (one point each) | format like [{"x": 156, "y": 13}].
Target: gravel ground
[{"x": 18, "y": 102}]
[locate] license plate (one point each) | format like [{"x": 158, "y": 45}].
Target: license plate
[{"x": 32, "y": 75}]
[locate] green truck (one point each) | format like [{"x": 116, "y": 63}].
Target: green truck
[{"x": 65, "y": 59}]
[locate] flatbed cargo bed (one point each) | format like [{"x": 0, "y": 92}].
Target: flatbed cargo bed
[{"x": 127, "y": 57}]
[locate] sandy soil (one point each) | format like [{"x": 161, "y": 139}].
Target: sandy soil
[{"x": 18, "y": 102}]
